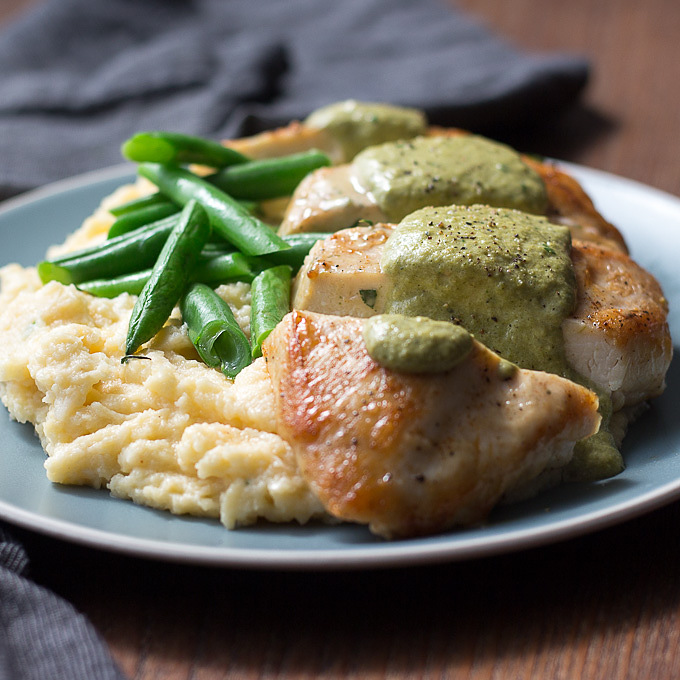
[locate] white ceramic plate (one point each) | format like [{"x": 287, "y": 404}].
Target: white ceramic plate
[{"x": 649, "y": 219}]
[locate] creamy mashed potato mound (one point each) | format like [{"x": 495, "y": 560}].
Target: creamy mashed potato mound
[{"x": 168, "y": 432}]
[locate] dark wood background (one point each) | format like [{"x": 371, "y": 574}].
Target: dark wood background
[{"x": 604, "y": 606}]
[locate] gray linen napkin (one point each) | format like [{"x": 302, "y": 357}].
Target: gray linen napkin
[
  {"x": 79, "y": 76},
  {"x": 42, "y": 637}
]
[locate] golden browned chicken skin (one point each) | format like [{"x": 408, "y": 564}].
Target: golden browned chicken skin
[
  {"x": 569, "y": 204},
  {"x": 618, "y": 335},
  {"x": 413, "y": 454}
]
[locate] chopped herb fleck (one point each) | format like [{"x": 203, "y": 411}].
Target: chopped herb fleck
[{"x": 369, "y": 296}]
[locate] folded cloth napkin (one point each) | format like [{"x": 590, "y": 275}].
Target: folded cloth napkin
[
  {"x": 41, "y": 636},
  {"x": 79, "y": 76}
]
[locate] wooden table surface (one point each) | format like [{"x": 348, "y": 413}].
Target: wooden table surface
[{"x": 604, "y": 606}]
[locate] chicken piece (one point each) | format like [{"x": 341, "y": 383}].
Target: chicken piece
[
  {"x": 335, "y": 198},
  {"x": 327, "y": 200},
  {"x": 338, "y": 268},
  {"x": 617, "y": 336},
  {"x": 292, "y": 138},
  {"x": 569, "y": 204},
  {"x": 342, "y": 274},
  {"x": 413, "y": 454},
  {"x": 341, "y": 129}
]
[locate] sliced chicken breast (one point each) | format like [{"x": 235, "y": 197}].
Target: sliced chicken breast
[
  {"x": 618, "y": 335},
  {"x": 342, "y": 275},
  {"x": 335, "y": 198},
  {"x": 329, "y": 201},
  {"x": 340, "y": 129},
  {"x": 569, "y": 204},
  {"x": 292, "y": 138},
  {"x": 413, "y": 454}
]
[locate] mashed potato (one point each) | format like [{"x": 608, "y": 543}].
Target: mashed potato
[{"x": 168, "y": 432}]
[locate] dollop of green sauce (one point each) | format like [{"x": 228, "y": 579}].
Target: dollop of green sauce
[
  {"x": 357, "y": 125},
  {"x": 436, "y": 171},
  {"x": 415, "y": 344},
  {"x": 598, "y": 456},
  {"x": 507, "y": 277}
]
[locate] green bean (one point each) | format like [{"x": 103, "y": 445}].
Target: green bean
[
  {"x": 226, "y": 268},
  {"x": 158, "y": 199},
  {"x": 213, "y": 330},
  {"x": 300, "y": 245},
  {"x": 124, "y": 226},
  {"x": 250, "y": 206},
  {"x": 133, "y": 220},
  {"x": 108, "y": 269},
  {"x": 111, "y": 288},
  {"x": 227, "y": 218},
  {"x": 214, "y": 248},
  {"x": 174, "y": 147},
  {"x": 214, "y": 270},
  {"x": 169, "y": 276},
  {"x": 138, "y": 203},
  {"x": 270, "y": 177},
  {"x": 269, "y": 303},
  {"x": 121, "y": 255}
]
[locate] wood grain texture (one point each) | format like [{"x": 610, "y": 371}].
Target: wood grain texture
[
  {"x": 629, "y": 121},
  {"x": 601, "y": 606},
  {"x": 11, "y": 9},
  {"x": 604, "y": 606}
]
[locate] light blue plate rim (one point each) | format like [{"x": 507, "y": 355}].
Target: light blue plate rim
[{"x": 650, "y": 221}]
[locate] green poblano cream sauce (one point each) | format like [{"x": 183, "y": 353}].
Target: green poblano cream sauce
[
  {"x": 357, "y": 125},
  {"x": 407, "y": 175},
  {"x": 415, "y": 344},
  {"x": 506, "y": 277}
]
